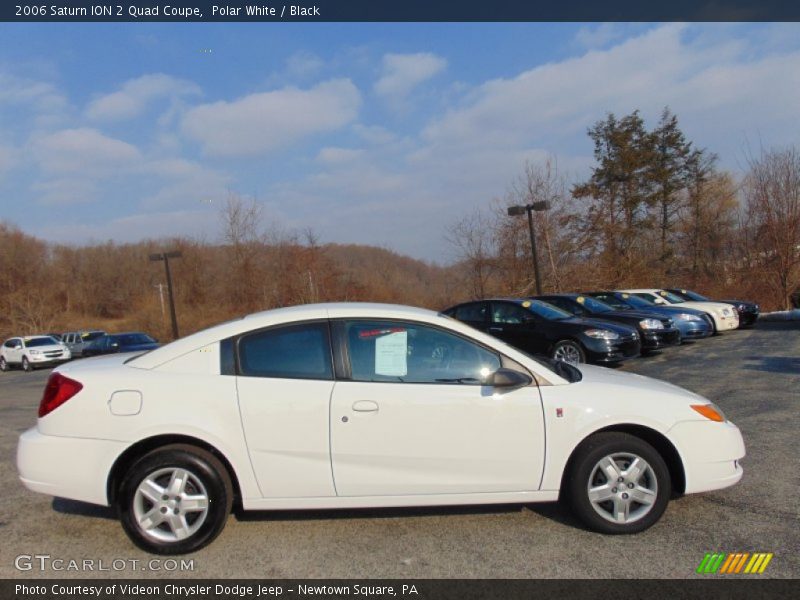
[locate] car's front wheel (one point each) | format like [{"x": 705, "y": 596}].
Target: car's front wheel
[
  {"x": 569, "y": 351},
  {"x": 3, "y": 364},
  {"x": 26, "y": 365},
  {"x": 175, "y": 500},
  {"x": 618, "y": 483}
]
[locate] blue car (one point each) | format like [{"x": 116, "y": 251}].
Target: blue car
[
  {"x": 692, "y": 323},
  {"x": 112, "y": 343}
]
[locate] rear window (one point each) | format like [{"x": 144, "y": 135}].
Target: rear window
[{"x": 293, "y": 352}]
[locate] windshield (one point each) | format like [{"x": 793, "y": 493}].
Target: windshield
[
  {"x": 670, "y": 297},
  {"x": 91, "y": 335},
  {"x": 546, "y": 311},
  {"x": 40, "y": 341},
  {"x": 636, "y": 301},
  {"x": 594, "y": 305},
  {"x": 694, "y": 295}
]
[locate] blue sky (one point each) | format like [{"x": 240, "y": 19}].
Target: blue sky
[{"x": 367, "y": 133}]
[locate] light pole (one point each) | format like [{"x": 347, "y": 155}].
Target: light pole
[
  {"x": 514, "y": 211},
  {"x": 165, "y": 256}
]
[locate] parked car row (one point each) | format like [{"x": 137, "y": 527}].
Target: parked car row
[
  {"x": 35, "y": 351},
  {"x": 603, "y": 326}
]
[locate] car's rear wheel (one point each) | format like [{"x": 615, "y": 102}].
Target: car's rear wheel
[
  {"x": 175, "y": 500},
  {"x": 569, "y": 351},
  {"x": 618, "y": 483},
  {"x": 26, "y": 365}
]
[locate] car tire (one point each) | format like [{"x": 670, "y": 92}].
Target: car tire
[
  {"x": 3, "y": 364},
  {"x": 569, "y": 351},
  {"x": 157, "y": 489},
  {"x": 618, "y": 483},
  {"x": 26, "y": 365}
]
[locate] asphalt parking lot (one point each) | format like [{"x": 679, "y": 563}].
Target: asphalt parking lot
[{"x": 753, "y": 375}]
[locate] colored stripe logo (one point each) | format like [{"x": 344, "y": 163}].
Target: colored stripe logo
[{"x": 734, "y": 563}]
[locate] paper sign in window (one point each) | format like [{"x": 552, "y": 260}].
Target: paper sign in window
[{"x": 391, "y": 354}]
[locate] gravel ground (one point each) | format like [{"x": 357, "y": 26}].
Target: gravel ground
[{"x": 754, "y": 375}]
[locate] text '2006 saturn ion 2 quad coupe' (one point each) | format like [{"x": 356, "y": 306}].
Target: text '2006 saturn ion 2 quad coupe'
[
  {"x": 540, "y": 328},
  {"x": 363, "y": 405}
]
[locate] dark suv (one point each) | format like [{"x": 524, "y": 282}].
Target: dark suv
[
  {"x": 656, "y": 331},
  {"x": 540, "y": 328}
]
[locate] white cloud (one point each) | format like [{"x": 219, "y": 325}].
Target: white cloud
[
  {"x": 599, "y": 35},
  {"x": 259, "y": 123},
  {"x": 553, "y": 103},
  {"x": 134, "y": 227},
  {"x": 135, "y": 94},
  {"x": 303, "y": 64},
  {"x": 40, "y": 95},
  {"x": 403, "y": 72},
  {"x": 84, "y": 151},
  {"x": 65, "y": 191},
  {"x": 338, "y": 155},
  {"x": 8, "y": 158}
]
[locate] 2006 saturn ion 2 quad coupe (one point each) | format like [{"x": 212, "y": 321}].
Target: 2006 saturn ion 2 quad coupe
[{"x": 363, "y": 405}]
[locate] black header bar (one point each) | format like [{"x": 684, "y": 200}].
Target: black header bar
[
  {"x": 731, "y": 588},
  {"x": 400, "y": 10}
]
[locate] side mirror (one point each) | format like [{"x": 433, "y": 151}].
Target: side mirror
[{"x": 508, "y": 378}]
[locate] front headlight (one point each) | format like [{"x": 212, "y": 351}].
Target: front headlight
[
  {"x": 601, "y": 334},
  {"x": 710, "y": 411},
  {"x": 651, "y": 324},
  {"x": 688, "y": 317}
]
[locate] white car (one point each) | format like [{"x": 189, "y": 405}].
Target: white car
[
  {"x": 363, "y": 405},
  {"x": 725, "y": 316},
  {"x": 32, "y": 351}
]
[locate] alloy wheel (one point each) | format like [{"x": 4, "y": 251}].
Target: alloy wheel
[
  {"x": 170, "y": 504},
  {"x": 622, "y": 488}
]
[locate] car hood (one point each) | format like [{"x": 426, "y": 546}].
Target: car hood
[
  {"x": 634, "y": 314},
  {"x": 747, "y": 305},
  {"x": 619, "y": 328},
  {"x": 648, "y": 386},
  {"x": 716, "y": 307},
  {"x": 48, "y": 348}
]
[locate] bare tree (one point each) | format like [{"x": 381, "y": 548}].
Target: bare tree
[
  {"x": 772, "y": 190},
  {"x": 472, "y": 237}
]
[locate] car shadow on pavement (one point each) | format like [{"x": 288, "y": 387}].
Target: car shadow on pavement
[
  {"x": 83, "y": 509},
  {"x": 774, "y": 364},
  {"x": 550, "y": 510}
]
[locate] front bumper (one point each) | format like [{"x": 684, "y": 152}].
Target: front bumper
[
  {"x": 612, "y": 351},
  {"x": 43, "y": 360},
  {"x": 694, "y": 330},
  {"x": 710, "y": 453},
  {"x": 74, "y": 468},
  {"x": 747, "y": 317},
  {"x": 726, "y": 322},
  {"x": 660, "y": 338}
]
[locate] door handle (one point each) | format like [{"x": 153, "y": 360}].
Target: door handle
[
  {"x": 495, "y": 329},
  {"x": 365, "y": 406}
]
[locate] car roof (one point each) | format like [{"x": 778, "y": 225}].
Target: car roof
[{"x": 277, "y": 316}]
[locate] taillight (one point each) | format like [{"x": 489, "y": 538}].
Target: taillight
[{"x": 59, "y": 389}]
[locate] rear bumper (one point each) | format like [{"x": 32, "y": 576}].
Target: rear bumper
[
  {"x": 710, "y": 452},
  {"x": 74, "y": 468}
]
